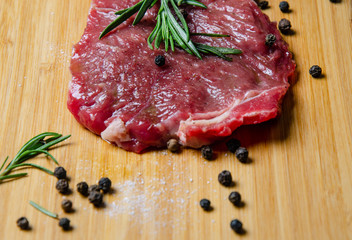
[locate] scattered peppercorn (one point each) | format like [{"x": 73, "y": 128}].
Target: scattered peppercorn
[
  {"x": 64, "y": 223},
  {"x": 284, "y": 6},
  {"x": 284, "y": 26},
  {"x": 315, "y": 71},
  {"x": 263, "y": 4},
  {"x": 23, "y": 223},
  {"x": 82, "y": 188},
  {"x": 62, "y": 185},
  {"x": 105, "y": 184},
  {"x": 335, "y": 1},
  {"x": 236, "y": 225},
  {"x": 66, "y": 205},
  {"x": 93, "y": 188},
  {"x": 205, "y": 204},
  {"x": 207, "y": 152},
  {"x": 232, "y": 145},
  {"x": 96, "y": 198},
  {"x": 159, "y": 60},
  {"x": 173, "y": 145},
  {"x": 270, "y": 39},
  {"x": 235, "y": 198},
  {"x": 242, "y": 154},
  {"x": 60, "y": 173},
  {"x": 225, "y": 178}
]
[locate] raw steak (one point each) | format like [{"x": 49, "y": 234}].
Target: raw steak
[{"x": 118, "y": 92}]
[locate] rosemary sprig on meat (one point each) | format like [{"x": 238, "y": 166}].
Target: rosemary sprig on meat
[
  {"x": 171, "y": 28},
  {"x": 37, "y": 145}
]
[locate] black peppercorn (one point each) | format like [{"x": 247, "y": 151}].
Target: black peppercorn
[
  {"x": 263, "y": 4},
  {"x": 236, "y": 225},
  {"x": 93, "y": 188},
  {"x": 82, "y": 188},
  {"x": 207, "y": 152},
  {"x": 284, "y": 6},
  {"x": 284, "y": 26},
  {"x": 315, "y": 71},
  {"x": 205, "y": 204},
  {"x": 232, "y": 145},
  {"x": 64, "y": 223},
  {"x": 159, "y": 60},
  {"x": 173, "y": 145},
  {"x": 23, "y": 223},
  {"x": 242, "y": 154},
  {"x": 62, "y": 185},
  {"x": 335, "y": 1},
  {"x": 60, "y": 173},
  {"x": 96, "y": 198},
  {"x": 225, "y": 178},
  {"x": 235, "y": 198},
  {"x": 270, "y": 39},
  {"x": 105, "y": 184},
  {"x": 66, "y": 205}
]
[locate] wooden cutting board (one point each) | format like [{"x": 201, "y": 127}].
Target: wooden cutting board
[{"x": 298, "y": 185}]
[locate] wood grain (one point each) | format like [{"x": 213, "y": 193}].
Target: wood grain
[{"x": 298, "y": 185}]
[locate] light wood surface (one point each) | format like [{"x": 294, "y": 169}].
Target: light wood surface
[{"x": 298, "y": 186}]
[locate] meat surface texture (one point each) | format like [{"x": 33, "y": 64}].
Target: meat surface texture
[{"x": 118, "y": 92}]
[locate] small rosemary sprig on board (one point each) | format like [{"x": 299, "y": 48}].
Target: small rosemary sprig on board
[
  {"x": 43, "y": 210},
  {"x": 171, "y": 28},
  {"x": 37, "y": 145}
]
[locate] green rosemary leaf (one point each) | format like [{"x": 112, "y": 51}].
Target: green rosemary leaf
[
  {"x": 172, "y": 45},
  {"x": 18, "y": 175},
  {"x": 3, "y": 164},
  {"x": 194, "y": 3},
  {"x": 228, "y": 50},
  {"x": 208, "y": 49},
  {"x": 127, "y": 9},
  {"x": 220, "y": 49},
  {"x": 166, "y": 45},
  {"x": 41, "y": 151},
  {"x": 52, "y": 143},
  {"x": 158, "y": 38},
  {"x": 33, "y": 165},
  {"x": 181, "y": 18},
  {"x": 216, "y": 53},
  {"x": 43, "y": 210},
  {"x": 178, "y": 39},
  {"x": 146, "y": 4},
  {"x": 180, "y": 32},
  {"x": 210, "y": 34},
  {"x": 139, "y": 4},
  {"x": 121, "y": 11},
  {"x": 163, "y": 26},
  {"x": 123, "y": 17},
  {"x": 154, "y": 32},
  {"x": 152, "y": 5},
  {"x": 165, "y": 31}
]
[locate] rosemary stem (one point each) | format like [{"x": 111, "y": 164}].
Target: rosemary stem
[
  {"x": 43, "y": 210},
  {"x": 171, "y": 27},
  {"x": 35, "y": 146}
]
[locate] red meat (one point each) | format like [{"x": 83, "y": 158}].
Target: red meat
[{"x": 118, "y": 92}]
